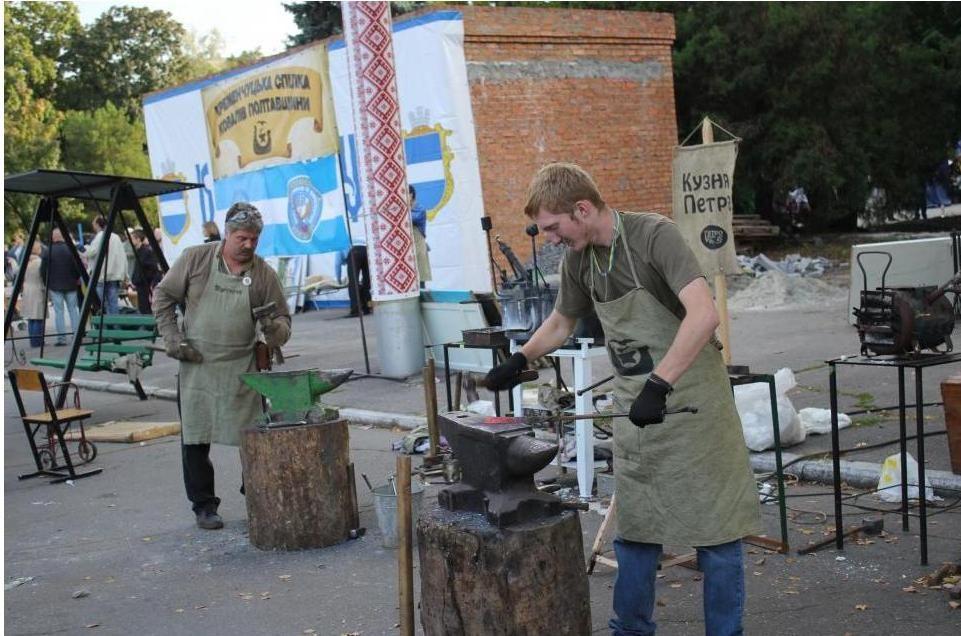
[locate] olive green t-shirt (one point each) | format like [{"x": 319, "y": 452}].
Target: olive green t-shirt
[{"x": 663, "y": 261}]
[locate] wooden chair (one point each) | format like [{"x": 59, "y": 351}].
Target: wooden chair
[{"x": 55, "y": 423}]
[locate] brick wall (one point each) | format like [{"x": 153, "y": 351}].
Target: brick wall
[{"x": 592, "y": 87}]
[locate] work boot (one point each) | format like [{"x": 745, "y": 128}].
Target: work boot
[{"x": 209, "y": 520}]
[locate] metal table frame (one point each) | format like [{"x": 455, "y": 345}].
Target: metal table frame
[
  {"x": 494, "y": 349},
  {"x": 900, "y": 363},
  {"x": 738, "y": 377}
]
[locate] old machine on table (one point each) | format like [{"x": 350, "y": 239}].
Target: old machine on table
[
  {"x": 298, "y": 477},
  {"x": 900, "y": 328},
  {"x": 904, "y": 320}
]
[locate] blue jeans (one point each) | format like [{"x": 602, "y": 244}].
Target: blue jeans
[
  {"x": 60, "y": 299},
  {"x": 35, "y": 329},
  {"x": 723, "y": 569},
  {"x": 109, "y": 293}
]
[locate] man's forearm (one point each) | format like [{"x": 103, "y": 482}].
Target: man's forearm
[
  {"x": 552, "y": 333},
  {"x": 695, "y": 331},
  {"x": 691, "y": 337}
]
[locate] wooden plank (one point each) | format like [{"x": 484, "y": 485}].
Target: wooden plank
[{"x": 126, "y": 432}]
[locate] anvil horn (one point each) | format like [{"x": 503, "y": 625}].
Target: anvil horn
[{"x": 526, "y": 455}]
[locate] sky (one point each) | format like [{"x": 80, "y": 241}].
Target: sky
[{"x": 244, "y": 24}]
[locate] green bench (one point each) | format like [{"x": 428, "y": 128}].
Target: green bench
[{"x": 110, "y": 338}]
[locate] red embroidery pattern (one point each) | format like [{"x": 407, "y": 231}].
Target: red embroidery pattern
[{"x": 380, "y": 150}]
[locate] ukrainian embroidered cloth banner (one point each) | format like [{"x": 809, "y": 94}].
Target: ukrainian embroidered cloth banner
[{"x": 380, "y": 149}]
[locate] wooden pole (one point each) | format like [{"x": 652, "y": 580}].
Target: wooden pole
[
  {"x": 720, "y": 281},
  {"x": 430, "y": 401},
  {"x": 405, "y": 548}
]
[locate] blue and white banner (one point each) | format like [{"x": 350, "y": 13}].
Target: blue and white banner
[
  {"x": 304, "y": 201},
  {"x": 302, "y": 204}
]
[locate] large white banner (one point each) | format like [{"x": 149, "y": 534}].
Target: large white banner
[
  {"x": 439, "y": 144},
  {"x": 177, "y": 142},
  {"x": 440, "y": 149}
]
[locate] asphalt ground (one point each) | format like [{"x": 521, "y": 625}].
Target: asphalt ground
[{"x": 119, "y": 552}]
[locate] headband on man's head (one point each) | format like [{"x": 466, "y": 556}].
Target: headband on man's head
[{"x": 244, "y": 216}]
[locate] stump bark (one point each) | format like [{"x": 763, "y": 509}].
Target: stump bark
[
  {"x": 297, "y": 487},
  {"x": 523, "y": 580}
]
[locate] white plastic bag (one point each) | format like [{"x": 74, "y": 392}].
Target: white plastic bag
[
  {"x": 889, "y": 485},
  {"x": 818, "y": 421},
  {"x": 753, "y": 403}
]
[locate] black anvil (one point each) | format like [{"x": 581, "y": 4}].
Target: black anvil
[{"x": 498, "y": 462}]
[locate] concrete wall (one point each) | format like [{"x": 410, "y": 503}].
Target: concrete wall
[{"x": 592, "y": 87}]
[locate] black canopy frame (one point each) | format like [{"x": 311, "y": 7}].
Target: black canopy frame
[{"x": 123, "y": 193}]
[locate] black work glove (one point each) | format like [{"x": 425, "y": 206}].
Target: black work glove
[
  {"x": 651, "y": 402},
  {"x": 506, "y": 376}
]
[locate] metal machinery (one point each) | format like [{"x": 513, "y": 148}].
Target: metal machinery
[{"x": 904, "y": 320}]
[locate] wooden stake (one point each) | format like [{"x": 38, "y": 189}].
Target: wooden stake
[
  {"x": 720, "y": 282},
  {"x": 405, "y": 562},
  {"x": 430, "y": 401}
]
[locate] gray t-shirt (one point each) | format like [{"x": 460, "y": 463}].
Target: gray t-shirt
[{"x": 664, "y": 264}]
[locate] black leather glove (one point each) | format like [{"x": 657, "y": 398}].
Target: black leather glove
[
  {"x": 506, "y": 376},
  {"x": 651, "y": 402}
]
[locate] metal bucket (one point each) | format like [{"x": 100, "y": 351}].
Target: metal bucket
[
  {"x": 385, "y": 503},
  {"x": 400, "y": 337}
]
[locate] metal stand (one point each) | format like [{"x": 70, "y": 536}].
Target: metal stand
[
  {"x": 122, "y": 192},
  {"x": 494, "y": 349},
  {"x": 917, "y": 363}
]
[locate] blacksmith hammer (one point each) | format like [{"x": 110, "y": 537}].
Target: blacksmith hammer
[
  {"x": 268, "y": 311},
  {"x": 869, "y": 527}
]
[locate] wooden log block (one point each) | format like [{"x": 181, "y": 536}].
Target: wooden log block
[
  {"x": 296, "y": 483},
  {"x": 476, "y": 579}
]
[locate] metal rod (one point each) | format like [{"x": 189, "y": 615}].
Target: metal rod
[
  {"x": 903, "y": 435},
  {"x": 782, "y": 505},
  {"x": 595, "y": 385},
  {"x": 922, "y": 491},
  {"x": 405, "y": 565},
  {"x": 430, "y": 402},
  {"x": 350, "y": 261},
  {"x": 836, "y": 456}
]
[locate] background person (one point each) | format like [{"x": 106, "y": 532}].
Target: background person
[
  {"x": 146, "y": 271},
  {"x": 220, "y": 283},
  {"x": 114, "y": 271},
  {"x": 418, "y": 219},
  {"x": 33, "y": 300},
  {"x": 686, "y": 481},
  {"x": 62, "y": 273}
]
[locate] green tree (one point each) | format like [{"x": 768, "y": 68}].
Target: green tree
[
  {"x": 204, "y": 55},
  {"x": 36, "y": 35},
  {"x": 125, "y": 54},
  {"x": 106, "y": 141},
  {"x": 318, "y": 20},
  {"x": 31, "y": 122}
]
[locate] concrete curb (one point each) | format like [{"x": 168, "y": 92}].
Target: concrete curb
[{"x": 857, "y": 474}]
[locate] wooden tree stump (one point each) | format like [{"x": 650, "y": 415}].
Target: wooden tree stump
[
  {"x": 297, "y": 487},
  {"x": 523, "y": 580}
]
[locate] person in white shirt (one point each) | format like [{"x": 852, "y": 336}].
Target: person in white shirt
[{"x": 114, "y": 271}]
